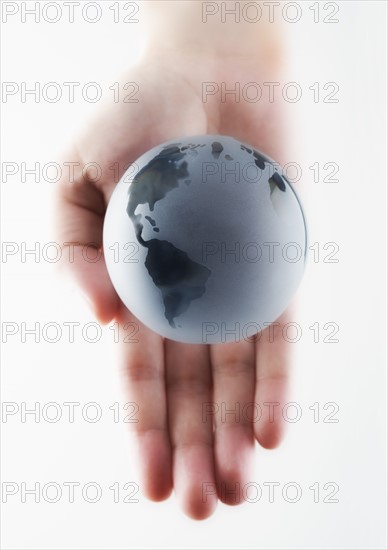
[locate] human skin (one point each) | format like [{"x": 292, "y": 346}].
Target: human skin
[{"x": 171, "y": 381}]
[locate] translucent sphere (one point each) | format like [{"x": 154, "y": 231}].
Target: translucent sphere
[{"x": 205, "y": 240}]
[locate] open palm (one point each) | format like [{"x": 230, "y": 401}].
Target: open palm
[{"x": 204, "y": 457}]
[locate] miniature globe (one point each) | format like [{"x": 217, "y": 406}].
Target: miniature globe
[{"x": 205, "y": 240}]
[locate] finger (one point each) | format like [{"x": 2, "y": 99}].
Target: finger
[
  {"x": 143, "y": 366},
  {"x": 188, "y": 389},
  {"x": 80, "y": 210},
  {"x": 273, "y": 360},
  {"x": 233, "y": 369}
]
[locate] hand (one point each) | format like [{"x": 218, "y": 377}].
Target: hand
[{"x": 171, "y": 381}]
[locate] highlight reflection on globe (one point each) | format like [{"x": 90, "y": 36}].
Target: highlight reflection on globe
[{"x": 205, "y": 240}]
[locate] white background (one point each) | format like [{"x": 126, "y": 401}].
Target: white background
[{"x": 351, "y": 373}]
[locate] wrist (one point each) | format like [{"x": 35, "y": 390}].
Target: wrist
[{"x": 190, "y": 27}]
